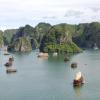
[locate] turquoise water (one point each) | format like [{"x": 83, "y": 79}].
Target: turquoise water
[{"x": 50, "y": 79}]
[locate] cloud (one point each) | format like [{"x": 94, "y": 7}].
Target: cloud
[
  {"x": 73, "y": 13},
  {"x": 49, "y": 17},
  {"x": 95, "y": 9},
  {"x": 14, "y": 13}
]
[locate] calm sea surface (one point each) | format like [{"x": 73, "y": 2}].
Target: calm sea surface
[{"x": 50, "y": 79}]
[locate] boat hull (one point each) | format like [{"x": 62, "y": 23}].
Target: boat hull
[{"x": 78, "y": 82}]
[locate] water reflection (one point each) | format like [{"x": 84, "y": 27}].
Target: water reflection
[
  {"x": 60, "y": 57},
  {"x": 40, "y": 79},
  {"x": 42, "y": 58},
  {"x": 77, "y": 90}
]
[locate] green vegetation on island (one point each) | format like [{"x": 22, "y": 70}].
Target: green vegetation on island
[
  {"x": 1, "y": 39},
  {"x": 57, "y": 38},
  {"x": 89, "y": 35},
  {"x": 58, "y": 41}
]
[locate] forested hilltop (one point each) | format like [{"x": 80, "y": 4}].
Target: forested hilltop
[{"x": 57, "y": 38}]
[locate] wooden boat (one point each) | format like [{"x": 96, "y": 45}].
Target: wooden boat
[
  {"x": 95, "y": 47},
  {"x": 6, "y": 54},
  {"x": 74, "y": 65},
  {"x": 11, "y": 59},
  {"x": 41, "y": 54},
  {"x": 8, "y": 64},
  {"x": 78, "y": 81},
  {"x": 11, "y": 70}
]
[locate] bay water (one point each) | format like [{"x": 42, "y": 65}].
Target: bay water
[{"x": 50, "y": 78}]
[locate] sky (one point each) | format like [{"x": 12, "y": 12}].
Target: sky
[{"x": 16, "y": 13}]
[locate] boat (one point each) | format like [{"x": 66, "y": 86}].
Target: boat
[
  {"x": 8, "y": 64},
  {"x": 74, "y": 65},
  {"x": 6, "y": 53},
  {"x": 78, "y": 81},
  {"x": 11, "y": 59},
  {"x": 95, "y": 47},
  {"x": 41, "y": 54},
  {"x": 11, "y": 70}
]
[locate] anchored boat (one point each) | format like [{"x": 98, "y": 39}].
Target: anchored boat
[
  {"x": 11, "y": 70},
  {"x": 74, "y": 65},
  {"x": 41, "y": 54},
  {"x": 95, "y": 47},
  {"x": 78, "y": 79}
]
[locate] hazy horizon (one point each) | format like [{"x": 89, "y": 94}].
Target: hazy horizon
[{"x": 16, "y": 13}]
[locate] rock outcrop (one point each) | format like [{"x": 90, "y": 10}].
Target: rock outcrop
[
  {"x": 58, "y": 40},
  {"x": 87, "y": 35},
  {"x": 8, "y": 36},
  {"x": 25, "y": 39},
  {"x": 22, "y": 44}
]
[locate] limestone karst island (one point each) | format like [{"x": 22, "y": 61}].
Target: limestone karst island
[{"x": 49, "y": 49}]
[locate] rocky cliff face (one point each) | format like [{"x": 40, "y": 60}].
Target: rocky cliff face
[
  {"x": 41, "y": 30},
  {"x": 60, "y": 37},
  {"x": 27, "y": 31},
  {"x": 58, "y": 40},
  {"x": 1, "y": 39},
  {"x": 24, "y": 39},
  {"x": 22, "y": 44},
  {"x": 89, "y": 35},
  {"x": 8, "y": 35}
]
